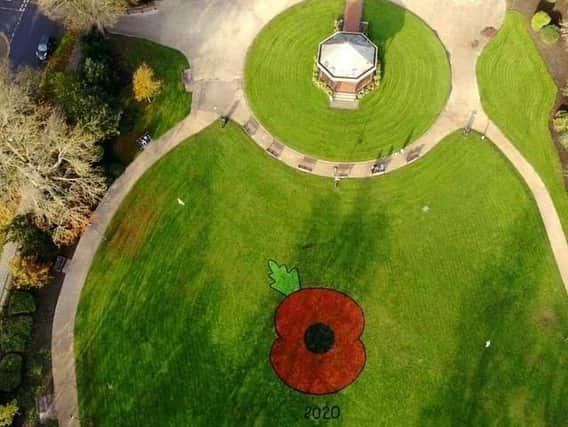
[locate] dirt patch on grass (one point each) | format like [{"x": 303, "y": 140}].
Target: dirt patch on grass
[
  {"x": 555, "y": 56},
  {"x": 547, "y": 318},
  {"x": 132, "y": 231}
]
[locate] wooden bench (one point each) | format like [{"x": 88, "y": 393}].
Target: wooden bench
[
  {"x": 251, "y": 126},
  {"x": 307, "y": 164},
  {"x": 343, "y": 170},
  {"x": 275, "y": 149}
]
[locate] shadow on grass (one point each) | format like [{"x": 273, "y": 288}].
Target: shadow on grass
[
  {"x": 520, "y": 376},
  {"x": 391, "y": 20},
  {"x": 336, "y": 248}
]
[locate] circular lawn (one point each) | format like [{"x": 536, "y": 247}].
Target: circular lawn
[
  {"x": 178, "y": 324},
  {"x": 414, "y": 87}
]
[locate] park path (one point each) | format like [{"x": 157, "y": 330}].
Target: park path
[
  {"x": 215, "y": 35},
  {"x": 8, "y": 252}
]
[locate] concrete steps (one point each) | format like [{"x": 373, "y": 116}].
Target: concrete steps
[{"x": 344, "y": 101}]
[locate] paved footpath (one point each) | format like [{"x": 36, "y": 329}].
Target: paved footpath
[
  {"x": 216, "y": 36},
  {"x": 8, "y": 251}
]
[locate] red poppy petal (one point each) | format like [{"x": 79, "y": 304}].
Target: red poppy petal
[
  {"x": 317, "y": 373},
  {"x": 314, "y": 305}
]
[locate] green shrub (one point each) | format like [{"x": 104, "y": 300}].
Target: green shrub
[
  {"x": 10, "y": 372},
  {"x": 21, "y": 303},
  {"x": 16, "y": 334},
  {"x": 550, "y": 34},
  {"x": 540, "y": 20},
  {"x": 560, "y": 121}
]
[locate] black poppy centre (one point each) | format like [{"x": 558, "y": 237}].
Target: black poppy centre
[{"x": 319, "y": 338}]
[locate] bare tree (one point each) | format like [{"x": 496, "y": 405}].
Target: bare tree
[
  {"x": 81, "y": 15},
  {"x": 49, "y": 162}
]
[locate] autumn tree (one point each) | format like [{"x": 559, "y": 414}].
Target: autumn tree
[
  {"x": 81, "y": 15},
  {"x": 29, "y": 272},
  {"x": 145, "y": 85},
  {"x": 51, "y": 163},
  {"x": 7, "y": 413}
]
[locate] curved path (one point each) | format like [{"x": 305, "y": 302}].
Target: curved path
[{"x": 216, "y": 35}]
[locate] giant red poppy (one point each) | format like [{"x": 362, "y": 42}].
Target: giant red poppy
[{"x": 319, "y": 348}]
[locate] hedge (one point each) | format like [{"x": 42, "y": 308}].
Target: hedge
[
  {"x": 21, "y": 303},
  {"x": 10, "y": 372},
  {"x": 15, "y": 334}
]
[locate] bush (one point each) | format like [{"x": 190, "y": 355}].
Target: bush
[
  {"x": 10, "y": 372},
  {"x": 550, "y": 34},
  {"x": 16, "y": 334},
  {"x": 21, "y": 302},
  {"x": 540, "y": 20},
  {"x": 7, "y": 413},
  {"x": 30, "y": 272}
]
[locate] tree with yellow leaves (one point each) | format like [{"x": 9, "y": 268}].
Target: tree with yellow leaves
[
  {"x": 29, "y": 272},
  {"x": 145, "y": 85},
  {"x": 7, "y": 413}
]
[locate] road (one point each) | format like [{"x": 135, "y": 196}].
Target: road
[{"x": 23, "y": 24}]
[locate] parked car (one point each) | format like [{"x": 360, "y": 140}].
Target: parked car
[{"x": 44, "y": 47}]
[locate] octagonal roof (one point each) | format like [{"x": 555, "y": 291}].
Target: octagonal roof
[{"x": 347, "y": 55}]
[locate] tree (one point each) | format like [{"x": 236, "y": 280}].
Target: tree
[
  {"x": 540, "y": 20},
  {"x": 29, "y": 272},
  {"x": 144, "y": 84},
  {"x": 31, "y": 241},
  {"x": 81, "y": 15},
  {"x": 7, "y": 413},
  {"x": 51, "y": 163},
  {"x": 79, "y": 106}
]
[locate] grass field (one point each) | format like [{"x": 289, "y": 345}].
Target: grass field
[
  {"x": 175, "y": 323},
  {"x": 414, "y": 87},
  {"x": 518, "y": 93},
  {"x": 172, "y": 104}
]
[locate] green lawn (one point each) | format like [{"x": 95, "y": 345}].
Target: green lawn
[
  {"x": 171, "y": 106},
  {"x": 414, "y": 87},
  {"x": 175, "y": 323},
  {"x": 518, "y": 93}
]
